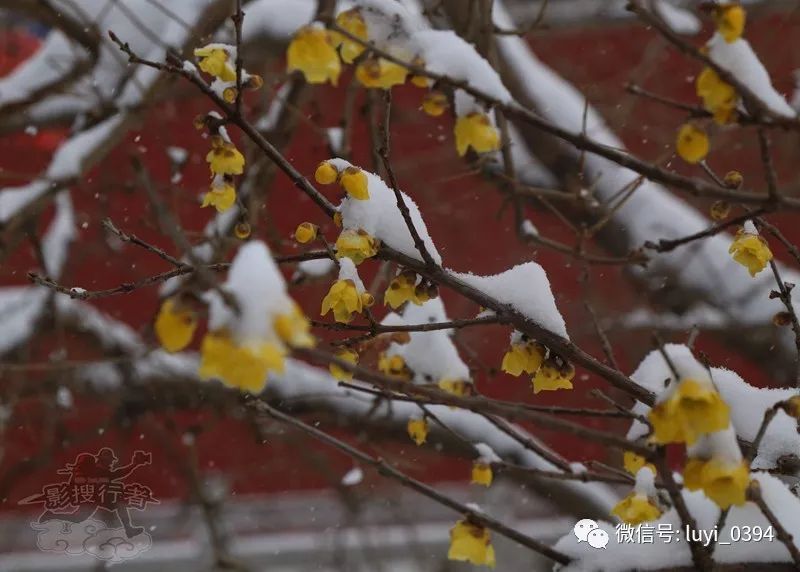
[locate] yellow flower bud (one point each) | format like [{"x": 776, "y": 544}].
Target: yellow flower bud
[
  {"x": 254, "y": 82},
  {"x": 720, "y": 210},
  {"x": 174, "y": 325},
  {"x": 730, "y": 21},
  {"x": 692, "y": 144},
  {"x": 305, "y": 232},
  {"x": 733, "y": 180},
  {"x": 326, "y": 173},
  {"x": 367, "y": 299},
  {"x": 242, "y": 230},
  {"x": 481, "y": 474},
  {"x": 229, "y": 94},
  {"x": 354, "y": 181},
  {"x": 434, "y": 103},
  {"x": 417, "y": 430}
]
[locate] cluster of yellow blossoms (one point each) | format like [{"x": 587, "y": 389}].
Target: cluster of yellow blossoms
[
  {"x": 693, "y": 411},
  {"x": 751, "y": 251},
  {"x": 225, "y": 161},
  {"x": 719, "y": 97},
  {"x": 404, "y": 288},
  {"x": 318, "y": 53},
  {"x": 550, "y": 371},
  {"x": 352, "y": 179}
]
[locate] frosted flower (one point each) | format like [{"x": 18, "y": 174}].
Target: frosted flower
[
  {"x": 344, "y": 299},
  {"x": 693, "y": 409},
  {"x": 723, "y": 482},
  {"x": 635, "y": 509},
  {"x": 242, "y": 366},
  {"x": 214, "y": 60},
  {"x": 357, "y": 245}
]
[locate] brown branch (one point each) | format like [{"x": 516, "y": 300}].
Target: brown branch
[
  {"x": 385, "y": 469},
  {"x": 754, "y": 494}
]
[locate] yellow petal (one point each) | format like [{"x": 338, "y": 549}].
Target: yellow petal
[
  {"x": 471, "y": 543},
  {"x": 242, "y": 366},
  {"x": 730, "y": 21},
  {"x": 220, "y": 197},
  {"x": 751, "y": 251},
  {"x": 354, "y": 181},
  {"x": 636, "y": 509},
  {"x": 338, "y": 371},
  {"x": 380, "y": 73},
  {"x": 417, "y": 430}
]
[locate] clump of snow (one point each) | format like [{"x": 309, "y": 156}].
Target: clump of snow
[
  {"x": 256, "y": 284},
  {"x": 486, "y": 454},
  {"x": 381, "y": 218},
  {"x": 353, "y": 477},
  {"x": 348, "y": 271},
  {"x": 720, "y": 445},
  {"x": 526, "y": 288},
  {"x": 448, "y": 54},
  {"x": 680, "y": 20},
  {"x": 432, "y": 356},
  {"x": 748, "y": 405},
  {"x": 277, "y": 19},
  {"x": 315, "y": 268},
  {"x": 59, "y": 236},
  {"x": 739, "y": 59}
]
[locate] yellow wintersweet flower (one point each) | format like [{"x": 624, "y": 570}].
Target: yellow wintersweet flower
[
  {"x": 524, "y": 357},
  {"x": 174, "y": 325},
  {"x": 730, "y": 21},
  {"x": 344, "y": 299},
  {"x": 751, "y": 251},
  {"x": 305, "y": 232},
  {"x": 294, "y": 328},
  {"x": 692, "y": 143},
  {"x": 401, "y": 289},
  {"x": 338, "y": 371},
  {"x": 326, "y": 173},
  {"x": 357, "y": 245},
  {"x": 719, "y": 97},
  {"x": 380, "y": 73},
  {"x": 354, "y": 181},
  {"x": 417, "y": 430},
  {"x": 393, "y": 366},
  {"x": 724, "y": 483},
  {"x": 311, "y": 51},
  {"x": 633, "y": 462},
  {"x": 691, "y": 411},
  {"x": 214, "y": 61},
  {"x": 457, "y": 387},
  {"x": 550, "y": 378},
  {"x": 242, "y": 230},
  {"x": 221, "y": 197},
  {"x": 224, "y": 158},
  {"x": 434, "y": 103},
  {"x": 476, "y": 130},
  {"x": 635, "y": 509},
  {"x": 481, "y": 474},
  {"x": 241, "y": 366},
  {"x": 471, "y": 543},
  {"x": 353, "y": 22}
]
